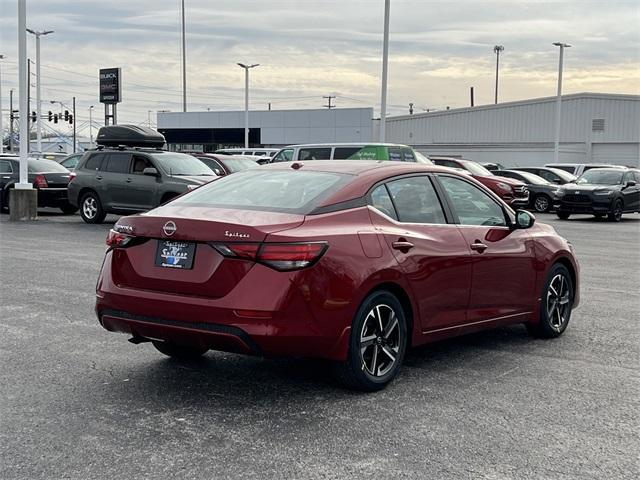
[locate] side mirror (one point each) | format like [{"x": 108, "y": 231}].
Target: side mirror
[
  {"x": 524, "y": 219},
  {"x": 630, "y": 183},
  {"x": 151, "y": 171}
]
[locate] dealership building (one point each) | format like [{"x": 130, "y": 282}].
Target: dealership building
[{"x": 595, "y": 128}]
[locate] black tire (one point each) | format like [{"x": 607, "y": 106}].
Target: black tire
[
  {"x": 563, "y": 215},
  {"x": 182, "y": 352},
  {"x": 91, "y": 208},
  {"x": 615, "y": 215},
  {"x": 364, "y": 370},
  {"x": 5, "y": 201},
  {"x": 68, "y": 209},
  {"x": 542, "y": 203},
  {"x": 555, "y": 305}
]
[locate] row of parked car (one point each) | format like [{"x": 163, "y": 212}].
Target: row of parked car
[{"x": 122, "y": 177}]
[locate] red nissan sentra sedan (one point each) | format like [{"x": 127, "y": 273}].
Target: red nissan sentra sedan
[{"x": 349, "y": 261}]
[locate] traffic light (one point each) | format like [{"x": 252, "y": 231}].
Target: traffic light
[
  {"x": 71, "y": 119},
  {"x": 66, "y": 115},
  {"x": 50, "y": 115},
  {"x": 55, "y": 118},
  {"x": 34, "y": 116}
]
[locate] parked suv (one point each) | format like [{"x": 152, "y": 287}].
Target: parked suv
[
  {"x": 349, "y": 151},
  {"x": 578, "y": 169},
  {"x": 600, "y": 192},
  {"x": 513, "y": 192},
  {"x": 551, "y": 175},
  {"x": 129, "y": 180}
]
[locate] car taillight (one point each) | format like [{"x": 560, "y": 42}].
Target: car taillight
[
  {"x": 279, "y": 256},
  {"x": 40, "y": 181},
  {"x": 117, "y": 239},
  {"x": 72, "y": 175}
]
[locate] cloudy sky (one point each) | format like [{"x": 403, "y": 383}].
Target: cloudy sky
[{"x": 311, "y": 48}]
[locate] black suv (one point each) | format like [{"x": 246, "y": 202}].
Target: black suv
[
  {"x": 600, "y": 192},
  {"x": 126, "y": 179}
]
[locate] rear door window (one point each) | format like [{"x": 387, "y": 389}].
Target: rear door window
[
  {"x": 408, "y": 155},
  {"x": 416, "y": 201},
  {"x": 322, "y": 153},
  {"x": 395, "y": 154},
  {"x": 381, "y": 200},
  {"x": 5, "y": 167},
  {"x": 117, "y": 163},
  {"x": 344, "y": 153},
  {"x": 94, "y": 162}
]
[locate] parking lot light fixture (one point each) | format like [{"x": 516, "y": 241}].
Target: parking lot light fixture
[
  {"x": 497, "y": 49},
  {"x": 1, "y": 125},
  {"x": 385, "y": 68},
  {"x": 556, "y": 144},
  {"x": 246, "y": 100},
  {"x": 38, "y": 84}
]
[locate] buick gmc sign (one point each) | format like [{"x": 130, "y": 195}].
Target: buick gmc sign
[{"x": 110, "y": 85}]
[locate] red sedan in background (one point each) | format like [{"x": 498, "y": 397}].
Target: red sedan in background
[
  {"x": 348, "y": 261},
  {"x": 513, "y": 192}
]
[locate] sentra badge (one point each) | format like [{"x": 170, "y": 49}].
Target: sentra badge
[{"x": 227, "y": 233}]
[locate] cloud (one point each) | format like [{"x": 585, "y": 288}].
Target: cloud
[{"x": 312, "y": 48}]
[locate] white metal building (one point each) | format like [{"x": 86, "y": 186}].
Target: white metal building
[
  {"x": 595, "y": 128},
  {"x": 211, "y": 130}
]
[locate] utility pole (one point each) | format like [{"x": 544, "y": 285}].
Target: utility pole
[
  {"x": 184, "y": 64},
  {"x": 556, "y": 143},
  {"x": 385, "y": 64},
  {"x": 11, "y": 121},
  {"x": 74, "y": 125},
  {"x": 28, "y": 108},
  {"x": 411, "y": 109},
  {"x": 38, "y": 85},
  {"x": 90, "y": 128},
  {"x": 329, "y": 98},
  {"x": 471, "y": 93},
  {"x": 497, "y": 49},
  {"x": 1, "y": 124}
]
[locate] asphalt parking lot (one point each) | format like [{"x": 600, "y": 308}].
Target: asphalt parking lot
[{"x": 79, "y": 402}]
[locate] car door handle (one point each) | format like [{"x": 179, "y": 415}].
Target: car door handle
[
  {"x": 402, "y": 245},
  {"x": 478, "y": 246},
  {"x": 6, "y": 178},
  {"x": 98, "y": 177}
]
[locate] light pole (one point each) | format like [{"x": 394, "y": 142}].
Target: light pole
[
  {"x": 90, "y": 127},
  {"x": 23, "y": 113},
  {"x": 385, "y": 64},
  {"x": 38, "y": 103},
  {"x": 1, "y": 125},
  {"x": 497, "y": 49},
  {"x": 556, "y": 144},
  {"x": 184, "y": 64},
  {"x": 246, "y": 101}
]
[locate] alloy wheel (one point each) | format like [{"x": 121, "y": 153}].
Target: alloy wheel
[
  {"x": 90, "y": 207},
  {"x": 558, "y": 302},
  {"x": 541, "y": 204},
  {"x": 380, "y": 340}
]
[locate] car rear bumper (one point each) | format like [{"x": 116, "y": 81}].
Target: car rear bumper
[
  {"x": 52, "y": 197},
  {"x": 277, "y": 321}
]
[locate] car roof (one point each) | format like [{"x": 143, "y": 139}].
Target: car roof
[
  {"x": 367, "y": 172},
  {"x": 346, "y": 144}
]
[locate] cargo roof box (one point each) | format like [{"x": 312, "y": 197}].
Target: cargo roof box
[{"x": 130, "y": 136}]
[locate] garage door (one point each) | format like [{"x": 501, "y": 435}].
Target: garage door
[{"x": 616, "y": 153}]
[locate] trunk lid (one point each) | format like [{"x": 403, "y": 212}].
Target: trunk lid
[{"x": 211, "y": 275}]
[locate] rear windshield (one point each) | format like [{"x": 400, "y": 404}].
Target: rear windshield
[
  {"x": 287, "y": 191},
  {"x": 37, "y": 165},
  {"x": 477, "y": 169},
  {"x": 181, "y": 164},
  {"x": 238, "y": 164}
]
